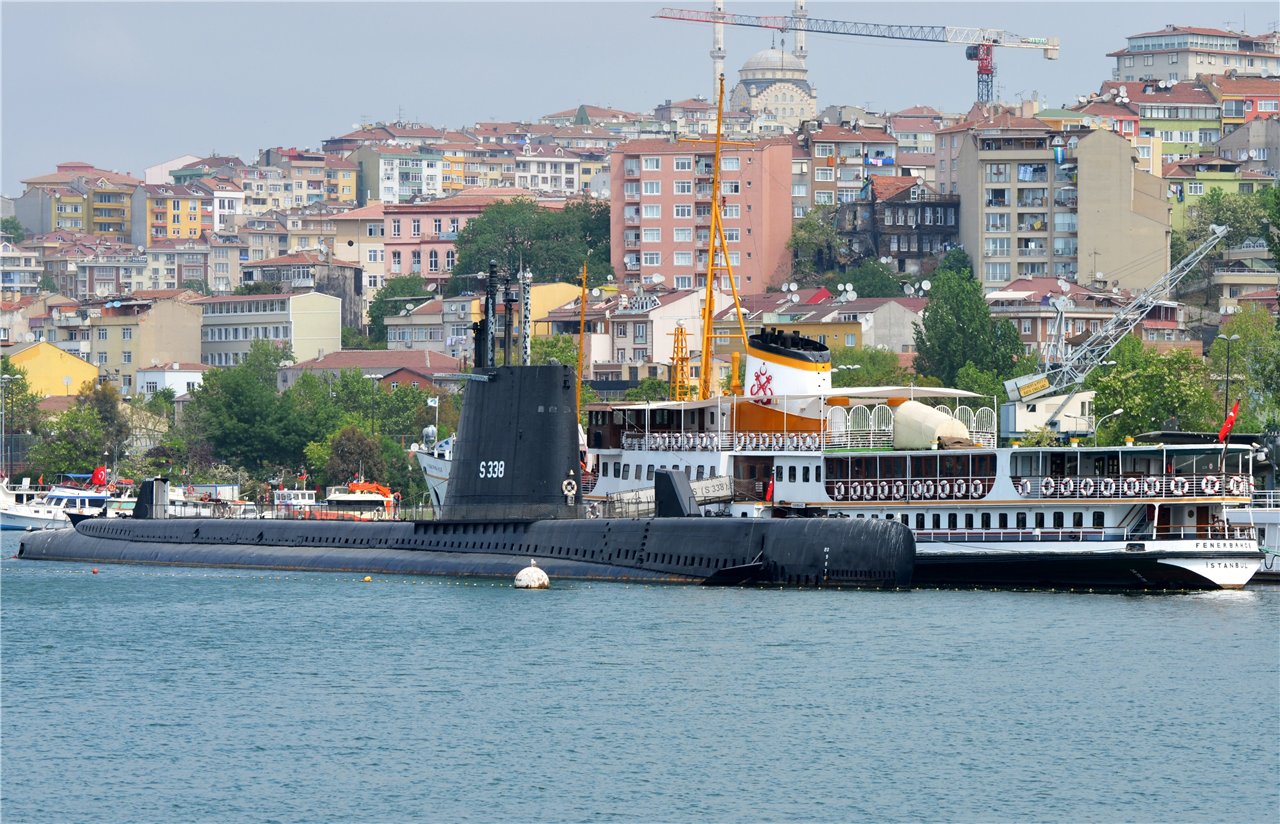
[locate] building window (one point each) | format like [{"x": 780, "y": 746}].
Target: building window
[
  {"x": 652, "y": 164},
  {"x": 395, "y": 227},
  {"x": 126, "y": 333},
  {"x": 415, "y": 227},
  {"x": 651, "y": 258},
  {"x": 653, "y": 187},
  {"x": 730, "y": 187},
  {"x": 1195, "y": 187},
  {"x": 620, "y": 330},
  {"x": 102, "y": 334},
  {"x": 651, "y": 235},
  {"x": 730, "y": 164},
  {"x": 651, "y": 210}
]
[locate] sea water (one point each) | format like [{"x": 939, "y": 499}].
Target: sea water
[{"x": 166, "y": 694}]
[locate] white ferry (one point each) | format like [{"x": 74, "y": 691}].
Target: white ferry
[
  {"x": 1133, "y": 517},
  {"x": 1262, "y": 515}
]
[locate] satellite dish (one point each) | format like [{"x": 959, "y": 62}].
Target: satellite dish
[
  {"x": 656, "y": 279},
  {"x": 409, "y": 307},
  {"x": 1173, "y": 83},
  {"x": 1082, "y": 99},
  {"x": 840, "y": 287},
  {"x": 29, "y": 337},
  {"x": 1162, "y": 84},
  {"x": 795, "y": 298},
  {"x": 1063, "y": 285},
  {"x": 595, "y": 293},
  {"x": 1124, "y": 91},
  {"x": 431, "y": 287},
  {"x": 852, "y": 294},
  {"x": 926, "y": 285},
  {"x": 906, "y": 289}
]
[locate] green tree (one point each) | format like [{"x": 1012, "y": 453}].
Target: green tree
[
  {"x": 649, "y": 389},
  {"x": 957, "y": 328},
  {"x": 73, "y": 443},
  {"x": 1245, "y": 215},
  {"x": 354, "y": 338},
  {"x": 814, "y": 244},
  {"x": 352, "y": 453},
  {"x": 104, "y": 399},
  {"x": 260, "y": 287},
  {"x": 1269, "y": 200},
  {"x": 21, "y": 405},
  {"x": 1152, "y": 389},
  {"x": 238, "y": 412},
  {"x": 392, "y": 298},
  {"x": 956, "y": 260},
  {"x": 875, "y": 367},
  {"x": 13, "y": 227},
  {"x": 562, "y": 348},
  {"x": 550, "y": 243},
  {"x": 1255, "y": 367},
  {"x": 870, "y": 279}
]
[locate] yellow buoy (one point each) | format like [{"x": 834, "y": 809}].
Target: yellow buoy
[{"x": 368, "y": 578}]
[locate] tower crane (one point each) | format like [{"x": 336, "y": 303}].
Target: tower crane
[
  {"x": 1069, "y": 375},
  {"x": 980, "y": 43}
]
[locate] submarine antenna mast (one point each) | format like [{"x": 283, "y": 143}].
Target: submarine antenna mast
[
  {"x": 718, "y": 259},
  {"x": 582, "y": 329}
]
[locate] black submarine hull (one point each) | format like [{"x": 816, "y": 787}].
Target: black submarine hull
[{"x": 794, "y": 552}]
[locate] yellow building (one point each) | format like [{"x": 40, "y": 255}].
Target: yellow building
[
  {"x": 51, "y": 371},
  {"x": 81, "y": 198},
  {"x": 340, "y": 179},
  {"x": 177, "y": 211},
  {"x": 453, "y": 166}
]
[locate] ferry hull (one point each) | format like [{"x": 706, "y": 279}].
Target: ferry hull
[{"x": 677, "y": 550}]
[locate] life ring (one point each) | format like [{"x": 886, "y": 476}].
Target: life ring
[
  {"x": 1130, "y": 487},
  {"x": 869, "y": 491},
  {"x": 1151, "y": 486},
  {"x": 962, "y": 488},
  {"x": 1024, "y": 487},
  {"x": 928, "y": 489},
  {"x": 1178, "y": 486},
  {"x": 977, "y": 489},
  {"x": 739, "y": 442},
  {"x": 855, "y": 490},
  {"x": 1087, "y": 487},
  {"x": 1107, "y": 487},
  {"x": 839, "y": 489},
  {"x": 1046, "y": 487},
  {"x": 899, "y": 490},
  {"x": 916, "y": 489},
  {"x": 1236, "y": 485},
  {"x": 1210, "y": 484},
  {"x": 111, "y": 488},
  {"x": 191, "y": 490},
  {"x": 808, "y": 442},
  {"x": 944, "y": 489},
  {"x": 883, "y": 490},
  {"x": 569, "y": 487},
  {"x": 1067, "y": 487}
]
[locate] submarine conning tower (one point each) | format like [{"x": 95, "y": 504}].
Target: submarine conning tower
[
  {"x": 516, "y": 452},
  {"x": 786, "y": 363}
]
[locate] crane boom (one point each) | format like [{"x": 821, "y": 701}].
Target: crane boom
[
  {"x": 979, "y": 40},
  {"x": 1086, "y": 357}
]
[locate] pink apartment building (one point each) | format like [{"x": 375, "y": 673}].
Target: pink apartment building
[
  {"x": 661, "y": 212},
  {"x": 418, "y": 238}
]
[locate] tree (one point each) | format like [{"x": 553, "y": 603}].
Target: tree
[
  {"x": 13, "y": 227},
  {"x": 21, "y": 405},
  {"x": 957, "y": 328},
  {"x": 354, "y": 338},
  {"x": 649, "y": 389},
  {"x": 1269, "y": 200},
  {"x": 73, "y": 443},
  {"x": 1153, "y": 389},
  {"x": 259, "y": 287},
  {"x": 813, "y": 244},
  {"x": 238, "y": 412},
  {"x": 562, "y": 348},
  {"x": 389, "y": 300},
  {"x": 104, "y": 399},
  {"x": 1245, "y": 215},
  {"x": 552, "y": 244},
  {"x": 876, "y": 367},
  {"x": 870, "y": 279},
  {"x": 1255, "y": 367},
  {"x": 352, "y": 453},
  {"x": 956, "y": 260}
]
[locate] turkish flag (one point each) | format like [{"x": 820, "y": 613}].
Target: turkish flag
[
  {"x": 99, "y": 476},
  {"x": 768, "y": 493},
  {"x": 1230, "y": 422}
]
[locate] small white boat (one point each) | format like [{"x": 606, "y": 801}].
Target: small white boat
[{"x": 23, "y": 508}]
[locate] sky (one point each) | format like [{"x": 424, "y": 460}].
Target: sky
[{"x": 128, "y": 85}]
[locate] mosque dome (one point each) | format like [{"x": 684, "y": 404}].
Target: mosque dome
[{"x": 772, "y": 60}]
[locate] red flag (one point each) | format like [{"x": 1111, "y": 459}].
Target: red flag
[
  {"x": 768, "y": 493},
  {"x": 1230, "y": 422},
  {"x": 40, "y": 482},
  {"x": 99, "y": 476}
]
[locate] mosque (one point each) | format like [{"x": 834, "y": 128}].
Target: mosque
[{"x": 773, "y": 85}]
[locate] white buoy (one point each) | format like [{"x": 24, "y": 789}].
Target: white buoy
[{"x": 532, "y": 578}]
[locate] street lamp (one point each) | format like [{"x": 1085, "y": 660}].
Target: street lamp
[
  {"x": 1098, "y": 423},
  {"x": 1226, "y": 391},
  {"x": 373, "y": 396}
]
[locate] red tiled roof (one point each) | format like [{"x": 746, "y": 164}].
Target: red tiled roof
[
  {"x": 371, "y": 212},
  {"x": 72, "y": 170},
  {"x": 918, "y": 111},
  {"x": 1174, "y": 29},
  {"x": 916, "y": 159},
  {"x": 885, "y": 186},
  {"x": 1246, "y": 86},
  {"x": 420, "y": 360},
  {"x": 1183, "y": 92},
  {"x": 867, "y": 134}
]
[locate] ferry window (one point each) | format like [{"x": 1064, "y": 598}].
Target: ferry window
[
  {"x": 804, "y": 474},
  {"x": 937, "y": 521},
  {"x": 968, "y": 520},
  {"x": 919, "y": 520},
  {"x": 1077, "y": 519},
  {"x": 1058, "y": 520},
  {"x": 701, "y": 472},
  {"x": 1021, "y": 520},
  {"x": 637, "y": 472},
  {"x": 777, "y": 471},
  {"x": 895, "y": 467},
  {"x": 817, "y": 472},
  {"x": 604, "y": 468},
  {"x": 890, "y": 517},
  {"x": 1004, "y": 520},
  {"x": 1098, "y": 521},
  {"x": 951, "y": 520},
  {"x": 986, "y": 520},
  {"x": 1039, "y": 520},
  {"x": 626, "y": 472},
  {"x": 905, "y": 518},
  {"x": 688, "y": 471},
  {"x": 648, "y": 473},
  {"x": 791, "y": 473},
  {"x": 616, "y": 464},
  {"x": 924, "y": 466}
]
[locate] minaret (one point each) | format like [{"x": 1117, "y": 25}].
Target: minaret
[
  {"x": 717, "y": 52},
  {"x": 800, "y": 51}
]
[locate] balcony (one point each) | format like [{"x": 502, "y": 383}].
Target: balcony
[
  {"x": 1032, "y": 252},
  {"x": 631, "y": 171},
  {"x": 631, "y": 243},
  {"x": 632, "y": 220}
]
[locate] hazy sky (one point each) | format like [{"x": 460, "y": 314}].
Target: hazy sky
[{"x": 127, "y": 85}]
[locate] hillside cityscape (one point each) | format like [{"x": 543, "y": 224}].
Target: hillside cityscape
[{"x": 306, "y": 313}]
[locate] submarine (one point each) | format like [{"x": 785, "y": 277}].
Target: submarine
[{"x": 514, "y": 494}]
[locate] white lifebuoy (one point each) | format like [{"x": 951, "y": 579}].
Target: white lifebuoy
[
  {"x": 1024, "y": 487},
  {"x": 928, "y": 489},
  {"x": 899, "y": 490},
  {"x": 1210, "y": 484},
  {"x": 977, "y": 489},
  {"x": 883, "y": 490},
  {"x": 738, "y": 442},
  {"x": 569, "y": 487},
  {"x": 1178, "y": 486},
  {"x": 1236, "y": 485},
  {"x": 1067, "y": 487},
  {"x": 1151, "y": 486},
  {"x": 1107, "y": 487},
  {"x": 944, "y": 489},
  {"x": 1087, "y": 486},
  {"x": 916, "y": 489},
  {"x": 839, "y": 490},
  {"x": 1046, "y": 487},
  {"x": 1130, "y": 487},
  {"x": 962, "y": 488},
  {"x": 869, "y": 490},
  {"x": 855, "y": 490}
]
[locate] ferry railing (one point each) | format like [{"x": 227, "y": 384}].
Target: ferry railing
[
  {"x": 1206, "y": 533},
  {"x": 1266, "y": 499},
  {"x": 1043, "y": 487},
  {"x": 759, "y": 441}
]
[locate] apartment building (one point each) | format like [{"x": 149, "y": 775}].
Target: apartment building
[
  {"x": 263, "y": 189},
  {"x": 122, "y": 334},
  {"x": 1036, "y": 202},
  {"x": 341, "y": 179},
  {"x": 309, "y": 323},
  {"x": 661, "y": 202},
  {"x": 51, "y": 372},
  {"x": 176, "y": 262},
  {"x": 1184, "y": 115},
  {"x": 1254, "y": 145},
  {"x": 181, "y": 378},
  {"x": 265, "y": 236},
  {"x": 372, "y": 134},
  {"x": 81, "y": 197},
  {"x": 303, "y": 173},
  {"x": 396, "y": 174},
  {"x": 177, "y": 211},
  {"x": 227, "y": 253},
  {"x": 1191, "y": 179},
  {"x": 322, "y": 272},
  {"x": 228, "y": 167},
  {"x": 1181, "y": 52},
  {"x": 902, "y": 221},
  {"x": 548, "y": 169},
  {"x": 83, "y": 270},
  {"x": 358, "y": 237},
  {"x": 836, "y": 161},
  {"x": 20, "y": 271}
]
